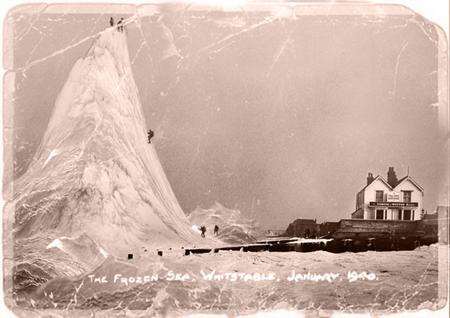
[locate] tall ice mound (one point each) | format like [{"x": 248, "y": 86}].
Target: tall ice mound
[{"x": 94, "y": 172}]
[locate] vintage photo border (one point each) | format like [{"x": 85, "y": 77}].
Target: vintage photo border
[{"x": 315, "y": 8}]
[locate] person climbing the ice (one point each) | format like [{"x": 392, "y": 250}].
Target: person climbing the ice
[
  {"x": 216, "y": 230},
  {"x": 203, "y": 230},
  {"x": 120, "y": 25},
  {"x": 150, "y": 135},
  {"x": 111, "y": 21}
]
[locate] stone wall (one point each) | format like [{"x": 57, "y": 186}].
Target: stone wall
[{"x": 365, "y": 229}]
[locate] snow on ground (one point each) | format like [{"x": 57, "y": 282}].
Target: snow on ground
[
  {"x": 239, "y": 281},
  {"x": 295, "y": 240}
]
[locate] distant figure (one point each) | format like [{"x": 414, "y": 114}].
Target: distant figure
[
  {"x": 203, "y": 229},
  {"x": 150, "y": 135},
  {"x": 307, "y": 233},
  {"x": 111, "y": 21},
  {"x": 120, "y": 25},
  {"x": 216, "y": 230}
]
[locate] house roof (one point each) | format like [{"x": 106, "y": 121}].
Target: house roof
[
  {"x": 411, "y": 180},
  {"x": 305, "y": 221},
  {"x": 401, "y": 180},
  {"x": 377, "y": 178}
]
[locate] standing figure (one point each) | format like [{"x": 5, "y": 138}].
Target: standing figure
[
  {"x": 120, "y": 25},
  {"x": 150, "y": 135},
  {"x": 203, "y": 230},
  {"x": 111, "y": 21},
  {"x": 216, "y": 230}
]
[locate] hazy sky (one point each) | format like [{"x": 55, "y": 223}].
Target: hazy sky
[{"x": 280, "y": 118}]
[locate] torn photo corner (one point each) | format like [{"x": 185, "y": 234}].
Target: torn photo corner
[{"x": 182, "y": 159}]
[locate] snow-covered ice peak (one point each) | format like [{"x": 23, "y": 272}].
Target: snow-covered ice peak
[
  {"x": 105, "y": 180},
  {"x": 116, "y": 44}
]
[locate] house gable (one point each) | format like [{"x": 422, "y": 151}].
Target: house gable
[
  {"x": 378, "y": 183},
  {"x": 407, "y": 181}
]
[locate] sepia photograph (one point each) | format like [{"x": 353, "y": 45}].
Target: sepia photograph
[{"x": 224, "y": 159}]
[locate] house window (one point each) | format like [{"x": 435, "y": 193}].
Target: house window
[
  {"x": 380, "y": 214},
  {"x": 379, "y": 196},
  {"x": 407, "y": 196},
  {"x": 407, "y": 215}
]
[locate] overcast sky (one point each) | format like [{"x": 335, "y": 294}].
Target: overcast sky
[{"x": 280, "y": 118}]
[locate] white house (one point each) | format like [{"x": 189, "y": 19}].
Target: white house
[{"x": 389, "y": 200}]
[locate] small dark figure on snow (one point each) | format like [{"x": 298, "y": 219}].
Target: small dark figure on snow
[
  {"x": 203, "y": 230},
  {"x": 216, "y": 230},
  {"x": 111, "y": 21},
  {"x": 150, "y": 135},
  {"x": 120, "y": 25}
]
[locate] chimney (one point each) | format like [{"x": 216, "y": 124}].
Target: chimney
[
  {"x": 392, "y": 177},
  {"x": 369, "y": 178}
]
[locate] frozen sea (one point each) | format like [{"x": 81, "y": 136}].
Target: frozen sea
[{"x": 239, "y": 282}]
